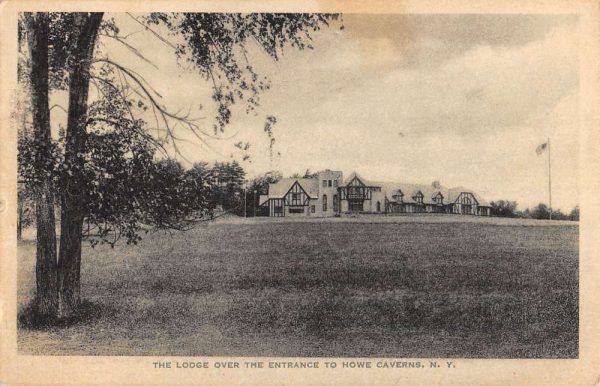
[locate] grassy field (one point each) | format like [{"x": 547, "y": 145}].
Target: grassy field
[{"x": 419, "y": 286}]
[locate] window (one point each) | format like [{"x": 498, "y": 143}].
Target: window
[
  {"x": 378, "y": 206},
  {"x": 324, "y": 183},
  {"x": 295, "y": 196},
  {"x": 278, "y": 209},
  {"x": 312, "y": 209},
  {"x": 335, "y": 203},
  {"x": 418, "y": 197},
  {"x": 296, "y": 209},
  {"x": 330, "y": 183},
  {"x": 324, "y": 203},
  {"x": 335, "y": 183}
]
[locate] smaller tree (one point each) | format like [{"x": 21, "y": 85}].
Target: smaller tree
[
  {"x": 503, "y": 208},
  {"x": 558, "y": 215},
  {"x": 307, "y": 174},
  {"x": 228, "y": 189},
  {"x": 261, "y": 183},
  {"x": 540, "y": 212},
  {"x": 574, "y": 215}
]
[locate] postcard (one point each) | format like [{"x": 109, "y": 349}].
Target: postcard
[{"x": 299, "y": 192}]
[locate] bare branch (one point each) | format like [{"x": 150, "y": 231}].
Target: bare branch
[
  {"x": 131, "y": 48},
  {"x": 163, "y": 112},
  {"x": 59, "y": 106},
  {"x": 159, "y": 36}
]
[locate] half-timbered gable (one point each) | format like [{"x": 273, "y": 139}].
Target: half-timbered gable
[
  {"x": 291, "y": 196},
  {"x": 297, "y": 196},
  {"x": 355, "y": 189},
  {"x": 360, "y": 195},
  {"x": 465, "y": 201}
]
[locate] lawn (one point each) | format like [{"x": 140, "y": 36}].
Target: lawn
[{"x": 421, "y": 286}]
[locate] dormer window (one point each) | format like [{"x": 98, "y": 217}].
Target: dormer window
[
  {"x": 418, "y": 198},
  {"x": 438, "y": 199},
  {"x": 398, "y": 196}
]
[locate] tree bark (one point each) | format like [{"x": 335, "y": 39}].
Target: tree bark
[
  {"x": 72, "y": 192},
  {"x": 46, "y": 264},
  {"x": 19, "y": 218}
]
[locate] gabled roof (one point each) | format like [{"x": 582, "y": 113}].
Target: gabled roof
[
  {"x": 279, "y": 189},
  {"x": 429, "y": 192},
  {"x": 409, "y": 190},
  {"x": 455, "y": 192},
  {"x": 355, "y": 174},
  {"x": 418, "y": 193}
]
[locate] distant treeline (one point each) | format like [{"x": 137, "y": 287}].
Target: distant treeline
[{"x": 507, "y": 208}]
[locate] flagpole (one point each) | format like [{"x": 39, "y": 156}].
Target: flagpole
[{"x": 549, "y": 179}]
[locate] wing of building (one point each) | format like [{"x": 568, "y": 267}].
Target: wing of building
[{"x": 328, "y": 194}]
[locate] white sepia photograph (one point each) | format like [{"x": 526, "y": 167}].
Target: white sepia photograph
[{"x": 389, "y": 187}]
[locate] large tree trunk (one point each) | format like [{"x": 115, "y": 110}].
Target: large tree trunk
[
  {"x": 72, "y": 192},
  {"x": 46, "y": 264}
]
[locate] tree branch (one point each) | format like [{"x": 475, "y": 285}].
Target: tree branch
[
  {"x": 159, "y": 36},
  {"x": 163, "y": 112},
  {"x": 131, "y": 48}
]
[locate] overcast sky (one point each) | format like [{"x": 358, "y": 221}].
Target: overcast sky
[{"x": 463, "y": 99}]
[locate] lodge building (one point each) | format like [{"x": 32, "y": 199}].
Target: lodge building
[{"x": 328, "y": 194}]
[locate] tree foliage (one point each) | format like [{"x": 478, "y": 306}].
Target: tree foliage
[
  {"x": 574, "y": 215},
  {"x": 229, "y": 182},
  {"x": 307, "y": 174},
  {"x": 504, "y": 208},
  {"x": 540, "y": 212}
]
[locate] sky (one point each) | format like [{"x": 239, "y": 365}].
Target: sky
[{"x": 460, "y": 99}]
